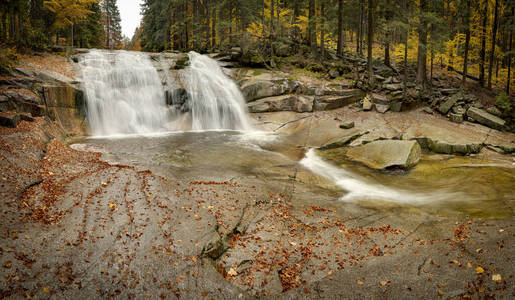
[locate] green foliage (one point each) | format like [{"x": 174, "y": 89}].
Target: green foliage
[
  {"x": 8, "y": 56},
  {"x": 503, "y": 102}
]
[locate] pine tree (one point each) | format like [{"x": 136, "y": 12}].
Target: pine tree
[{"x": 112, "y": 27}]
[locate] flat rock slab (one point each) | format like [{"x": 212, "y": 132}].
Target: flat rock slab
[
  {"x": 387, "y": 154},
  {"x": 485, "y": 118}
]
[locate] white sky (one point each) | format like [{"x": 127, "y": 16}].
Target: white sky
[{"x": 130, "y": 14}]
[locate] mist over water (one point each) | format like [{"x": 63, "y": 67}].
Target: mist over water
[{"x": 125, "y": 95}]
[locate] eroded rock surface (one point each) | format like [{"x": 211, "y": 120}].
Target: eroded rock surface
[{"x": 387, "y": 154}]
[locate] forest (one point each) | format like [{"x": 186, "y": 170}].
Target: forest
[{"x": 473, "y": 38}]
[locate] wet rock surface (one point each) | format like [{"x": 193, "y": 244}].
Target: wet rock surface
[{"x": 387, "y": 154}]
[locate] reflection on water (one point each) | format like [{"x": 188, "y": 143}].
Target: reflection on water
[{"x": 457, "y": 185}]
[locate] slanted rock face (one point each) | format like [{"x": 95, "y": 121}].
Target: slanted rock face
[
  {"x": 258, "y": 89},
  {"x": 482, "y": 117},
  {"x": 295, "y": 103},
  {"x": 387, "y": 154},
  {"x": 344, "y": 98}
]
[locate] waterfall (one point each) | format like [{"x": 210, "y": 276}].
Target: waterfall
[
  {"x": 216, "y": 101},
  {"x": 125, "y": 95}
]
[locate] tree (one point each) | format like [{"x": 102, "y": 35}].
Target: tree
[
  {"x": 112, "y": 25},
  {"x": 340, "y": 28},
  {"x": 467, "y": 42},
  {"x": 69, "y": 12},
  {"x": 494, "y": 40},
  {"x": 422, "y": 42},
  {"x": 370, "y": 41}
]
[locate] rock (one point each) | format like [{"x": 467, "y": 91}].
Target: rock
[
  {"x": 26, "y": 117},
  {"x": 477, "y": 105},
  {"x": 347, "y": 125},
  {"x": 258, "y": 89},
  {"x": 334, "y": 102},
  {"x": 178, "y": 98},
  {"x": 396, "y": 106},
  {"x": 336, "y": 89},
  {"x": 379, "y": 78},
  {"x": 367, "y": 104},
  {"x": 494, "y": 111},
  {"x": 438, "y": 146},
  {"x": 381, "y": 108},
  {"x": 448, "y": 104},
  {"x": 295, "y": 103},
  {"x": 456, "y": 118},
  {"x": 428, "y": 110},
  {"x": 333, "y": 74},
  {"x": 458, "y": 110},
  {"x": 387, "y": 154},
  {"x": 485, "y": 118},
  {"x": 393, "y": 87},
  {"x": 9, "y": 120},
  {"x": 447, "y": 92},
  {"x": 379, "y": 99}
]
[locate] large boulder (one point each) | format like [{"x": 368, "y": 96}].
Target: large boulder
[
  {"x": 258, "y": 89},
  {"x": 387, "y": 154},
  {"x": 343, "y": 98},
  {"x": 485, "y": 118},
  {"x": 296, "y": 103},
  {"x": 449, "y": 103}
]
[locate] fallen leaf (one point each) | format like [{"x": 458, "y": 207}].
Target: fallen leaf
[
  {"x": 479, "y": 270},
  {"x": 232, "y": 272},
  {"x": 112, "y": 205},
  {"x": 497, "y": 277},
  {"x": 360, "y": 282},
  {"x": 383, "y": 283},
  {"x": 46, "y": 290},
  {"x": 440, "y": 292}
]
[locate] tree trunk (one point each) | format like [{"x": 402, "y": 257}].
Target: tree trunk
[
  {"x": 509, "y": 57},
  {"x": 213, "y": 28},
  {"x": 360, "y": 28},
  {"x": 494, "y": 36},
  {"x": 322, "y": 30},
  {"x": 272, "y": 7},
  {"x": 405, "y": 79},
  {"x": 370, "y": 41},
  {"x": 482, "y": 53},
  {"x": 339, "y": 49},
  {"x": 263, "y": 18},
  {"x": 467, "y": 43},
  {"x": 422, "y": 42},
  {"x": 387, "y": 43},
  {"x": 312, "y": 28}
]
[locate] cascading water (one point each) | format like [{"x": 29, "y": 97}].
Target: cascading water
[
  {"x": 216, "y": 102},
  {"x": 125, "y": 95},
  {"x": 360, "y": 188}
]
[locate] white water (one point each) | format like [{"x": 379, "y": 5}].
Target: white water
[
  {"x": 125, "y": 95},
  {"x": 217, "y": 102},
  {"x": 361, "y": 189}
]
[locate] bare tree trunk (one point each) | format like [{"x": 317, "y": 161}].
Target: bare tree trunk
[
  {"x": 494, "y": 36},
  {"x": 483, "y": 46},
  {"x": 322, "y": 30},
  {"x": 230, "y": 20},
  {"x": 388, "y": 35},
  {"x": 370, "y": 41},
  {"x": 213, "y": 28},
  {"x": 509, "y": 61},
  {"x": 467, "y": 43},
  {"x": 272, "y": 7},
  {"x": 339, "y": 49},
  {"x": 312, "y": 30},
  {"x": 422, "y": 42},
  {"x": 263, "y": 18}
]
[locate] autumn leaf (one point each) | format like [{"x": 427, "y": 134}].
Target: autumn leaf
[
  {"x": 497, "y": 277},
  {"x": 479, "y": 270},
  {"x": 46, "y": 290},
  {"x": 360, "y": 282},
  {"x": 232, "y": 272},
  {"x": 112, "y": 205},
  {"x": 383, "y": 283}
]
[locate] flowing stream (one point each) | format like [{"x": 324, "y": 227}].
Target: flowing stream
[{"x": 211, "y": 138}]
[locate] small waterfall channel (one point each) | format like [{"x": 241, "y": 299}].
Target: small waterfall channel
[{"x": 125, "y": 95}]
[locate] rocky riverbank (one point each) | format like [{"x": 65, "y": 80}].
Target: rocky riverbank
[{"x": 181, "y": 224}]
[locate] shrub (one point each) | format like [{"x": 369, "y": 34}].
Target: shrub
[{"x": 503, "y": 102}]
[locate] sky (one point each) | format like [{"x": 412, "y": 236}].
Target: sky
[{"x": 129, "y": 12}]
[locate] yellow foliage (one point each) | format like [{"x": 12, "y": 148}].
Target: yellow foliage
[{"x": 69, "y": 12}]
